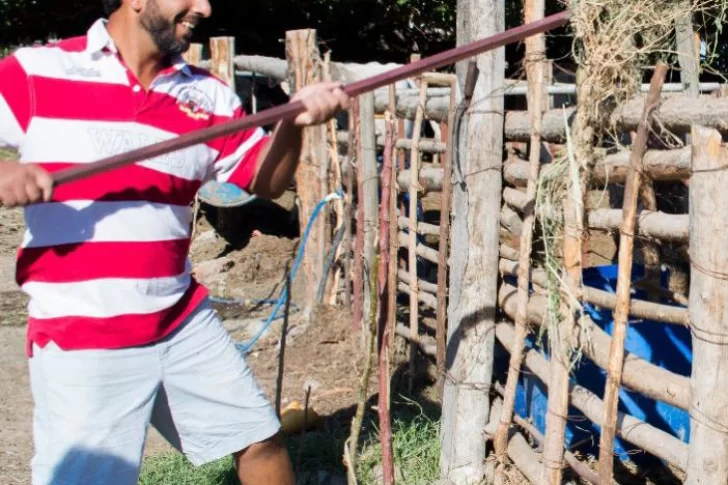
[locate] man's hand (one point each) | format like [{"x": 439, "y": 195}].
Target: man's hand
[
  {"x": 322, "y": 101},
  {"x": 24, "y": 184}
]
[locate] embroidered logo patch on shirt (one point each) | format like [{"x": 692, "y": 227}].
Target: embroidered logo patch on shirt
[{"x": 195, "y": 103}]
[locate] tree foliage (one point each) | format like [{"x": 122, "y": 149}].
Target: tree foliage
[{"x": 354, "y": 30}]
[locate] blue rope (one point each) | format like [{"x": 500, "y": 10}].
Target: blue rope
[
  {"x": 246, "y": 347},
  {"x": 246, "y": 301}
]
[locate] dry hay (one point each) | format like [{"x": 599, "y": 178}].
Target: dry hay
[{"x": 615, "y": 42}]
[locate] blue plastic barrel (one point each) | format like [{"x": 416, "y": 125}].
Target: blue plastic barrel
[{"x": 664, "y": 345}]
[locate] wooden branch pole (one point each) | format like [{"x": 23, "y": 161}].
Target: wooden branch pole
[
  {"x": 414, "y": 312},
  {"x": 638, "y": 308},
  {"x": 610, "y": 169},
  {"x": 535, "y": 54},
  {"x": 561, "y": 338},
  {"x": 423, "y": 228},
  {"x": 687, "y": 56},
  {"x": 425, "y": 343},
  {"x": 444, "y": 238},
  {"x": 708, "y": 455},
  {"x": 358, "y": 264},
  {"x": 393, "y": 231},
  {"x": 519, "y": 450},
  {"x": 401, "y": 168},
  {"x": 649, "y": 225},
  {"x": 337, "y": 183},
  {"x": 305, "y": 67},
  {"x": 369, "y": 196},
  {"x": 427, "y": 145},
  {"x": 624, "y": 282},
  {"x": 369, "y": 331},
  {"x": 658, "y": 225},
  {"x": 650, "y": 249},
  {"x": 473, "y": 280},
  {"x": 580, "y": 468},
  {"x": 385, "y": 217},
  {"x": 424, "y": 286},
  {"x": 349, "y": 211}
]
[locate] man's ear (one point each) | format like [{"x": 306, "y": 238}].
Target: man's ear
[{"x": 136, "y": 5}]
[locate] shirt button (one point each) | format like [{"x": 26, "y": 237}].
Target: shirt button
[{"x": 137, "y": 88}]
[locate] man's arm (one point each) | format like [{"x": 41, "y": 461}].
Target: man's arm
[
  {"x": 19, "y": 184},
  {"x": 278, "y": 160}
]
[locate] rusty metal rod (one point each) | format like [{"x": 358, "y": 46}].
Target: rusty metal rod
[{"x": 292, "y": 109}]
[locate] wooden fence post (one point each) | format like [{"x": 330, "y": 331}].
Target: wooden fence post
[
  {"x": 305, "y": 67},
  {"x": 369, "y": 196},
  {"x": 193, "y": 56},
  {"x": 222, "y": 53},
  {"x": 474, "y": 262},
  {"x": 708, "y": 455}
]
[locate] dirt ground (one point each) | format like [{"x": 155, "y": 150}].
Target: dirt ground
[{"x": 318, "y": 355}]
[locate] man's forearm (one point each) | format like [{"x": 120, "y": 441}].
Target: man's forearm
[{"x": 278, "y": 161}]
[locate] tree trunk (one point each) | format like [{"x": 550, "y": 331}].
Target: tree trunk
[
  {"x": 708, "y": 456},
  {"x": 305, "y": 67},
  {"x": 474, "y": 261}
]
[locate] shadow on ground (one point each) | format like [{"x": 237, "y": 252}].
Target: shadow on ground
[{"x": 318, "y": 455}]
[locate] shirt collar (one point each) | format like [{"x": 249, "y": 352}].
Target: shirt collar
[{"x": 98, "y": 40}]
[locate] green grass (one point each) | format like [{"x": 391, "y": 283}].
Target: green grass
[
  {"x": 7, "y": 153},
  {"x": 416, "y": 444},
  {"x": 174, "y": 469},
  {"x": 415, "y": 441}
]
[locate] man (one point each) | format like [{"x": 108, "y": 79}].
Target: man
[{"x": 119, "y": 334}]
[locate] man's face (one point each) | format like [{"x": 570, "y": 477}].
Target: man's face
[{"x": 172, "y": 22}]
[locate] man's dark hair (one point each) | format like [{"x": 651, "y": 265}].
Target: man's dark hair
[{"x": 111, "y": 6}]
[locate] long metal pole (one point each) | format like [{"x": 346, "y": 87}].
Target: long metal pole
[{"x": 293, "y": 109}]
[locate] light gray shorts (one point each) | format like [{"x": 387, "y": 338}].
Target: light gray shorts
[{"x": 93, "y": 407}]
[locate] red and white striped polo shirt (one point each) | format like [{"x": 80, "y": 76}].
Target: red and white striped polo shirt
[{"x": 105, "y": 263}]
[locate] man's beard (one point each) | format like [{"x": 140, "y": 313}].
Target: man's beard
[{"x": 163, "y": 31}]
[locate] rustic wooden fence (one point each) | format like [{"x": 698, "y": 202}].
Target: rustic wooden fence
[{"x": 346, "y": 156}]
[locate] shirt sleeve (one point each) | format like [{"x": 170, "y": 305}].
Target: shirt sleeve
[
  {"x": 236, "y": 162},
  {"x": 14, "y": 102}
]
